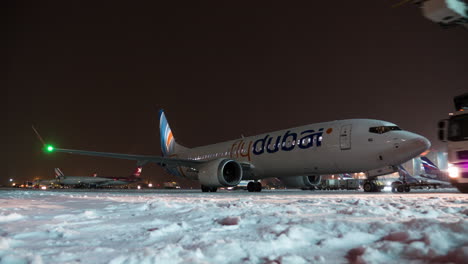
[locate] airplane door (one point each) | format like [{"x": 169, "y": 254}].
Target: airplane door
[{"x": 345, "y": 137}]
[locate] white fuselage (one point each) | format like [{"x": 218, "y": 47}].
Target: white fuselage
[{"x": 342, "y": 146}]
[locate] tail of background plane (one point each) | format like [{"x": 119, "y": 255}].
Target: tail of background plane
[
  {"x": 432, "y": 171},
  {"x": 429, "y": 167},
  {"x": 58, "y": 173},
  {"x": 168, "y": 144},
  {"x": 404, "y": 174}
]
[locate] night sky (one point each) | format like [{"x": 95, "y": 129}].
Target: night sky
[{"x": 92, "y": 75}]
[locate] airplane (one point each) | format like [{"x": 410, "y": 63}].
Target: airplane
[
  {"x": 94, "y": 181},
  {"x": 297, "y": 156},
  {"x": 406, "y": 176},
  {"x": 406, "y": 180},
  {"x": 432, "y": 171}
]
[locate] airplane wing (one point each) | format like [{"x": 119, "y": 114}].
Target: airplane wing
[{"x": 162, "y": 161}]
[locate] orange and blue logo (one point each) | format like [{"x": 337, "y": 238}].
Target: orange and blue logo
[{"x": 167, "y": 139}]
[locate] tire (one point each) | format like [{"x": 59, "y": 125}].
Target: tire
[
  {"x": 368, "y": 187},
  {"x": 213, "y": 189},
  {"x": 462, "y": 188},
  {"x": 400, "y": 188},
  {"x": 258, "y": 186},
  {"x": 407, "y": 189},
  {"x": 205, "y": 188},
  {"x": 251, "y": 187}
]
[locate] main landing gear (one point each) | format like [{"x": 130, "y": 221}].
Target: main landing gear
[
  {"x": 254, "y": 186},
  {"x": 208, "y": 189},
  {"x": 372, "y": 186}
]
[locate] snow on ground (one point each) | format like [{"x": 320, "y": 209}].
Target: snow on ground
[{"x": 232, "y": 227}]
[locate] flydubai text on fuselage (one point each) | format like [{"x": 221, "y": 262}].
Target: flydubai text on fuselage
[{"x": 342, "y": 146}]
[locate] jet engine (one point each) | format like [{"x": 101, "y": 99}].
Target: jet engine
[
  {"x": 301, "y": 181},
  {"x": 220, "y": 172}
]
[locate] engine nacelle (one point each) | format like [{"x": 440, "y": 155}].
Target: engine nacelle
[
  {"x": 220, "y": 172},
  {"x": 301, "y": 181}
]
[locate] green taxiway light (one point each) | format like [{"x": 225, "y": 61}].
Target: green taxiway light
[{"x": 49, "y": 148}]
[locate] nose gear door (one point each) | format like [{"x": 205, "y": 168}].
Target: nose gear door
[{"x": 345, "y": 137}]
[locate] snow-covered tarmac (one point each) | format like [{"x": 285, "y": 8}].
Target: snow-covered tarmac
[{"x": 232, "y": 227}]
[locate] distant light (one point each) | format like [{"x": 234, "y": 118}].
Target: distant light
[
  {"x": 138, "y": 187},
  {"x": 11, "y": 180},
  {"x": 43, "y": 187},
  {"x": 49, "y": 148},
  {"x": 150, "y": 185}
]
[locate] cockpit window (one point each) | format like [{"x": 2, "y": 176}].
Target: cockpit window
[{"x": 383, "y": 129}]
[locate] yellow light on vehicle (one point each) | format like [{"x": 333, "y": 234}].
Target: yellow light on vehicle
[{"x": 453, "y": 171}]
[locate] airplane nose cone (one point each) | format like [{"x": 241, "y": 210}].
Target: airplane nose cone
[
  {"x": 417, "y": 145},
  {"x": 412, "y": 146},
  {"x": 424, "y": 143}
]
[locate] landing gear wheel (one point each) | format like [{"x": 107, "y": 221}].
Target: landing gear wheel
[
  {"x": 462, "y": 187},
  {"x": 368, "y": 187},
  {"x": 213, "y": 189},
  {"x": 400, "y": 188},
  {"x": 407, "y": 189},
  {"x": 258, "y": 186},
  {"x": 205, "y": 188},
  {"x": 251, "y": 187}
]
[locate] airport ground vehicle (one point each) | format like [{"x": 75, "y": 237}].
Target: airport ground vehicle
[
  {"x": 454, "y": 131},
  {"x": 330, "y": 184},
  {"x": 404, "y": 186},
  {"x": 349, "y": 184}
]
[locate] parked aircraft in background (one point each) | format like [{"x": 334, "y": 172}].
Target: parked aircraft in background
[
  {"x": 297, "y": 156},
  {"x": 406, "y": 176},
  {"x": 432, "y": 171},
  {"x": 95, "y": 181},
  {"x": 406, "y": 182}
]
